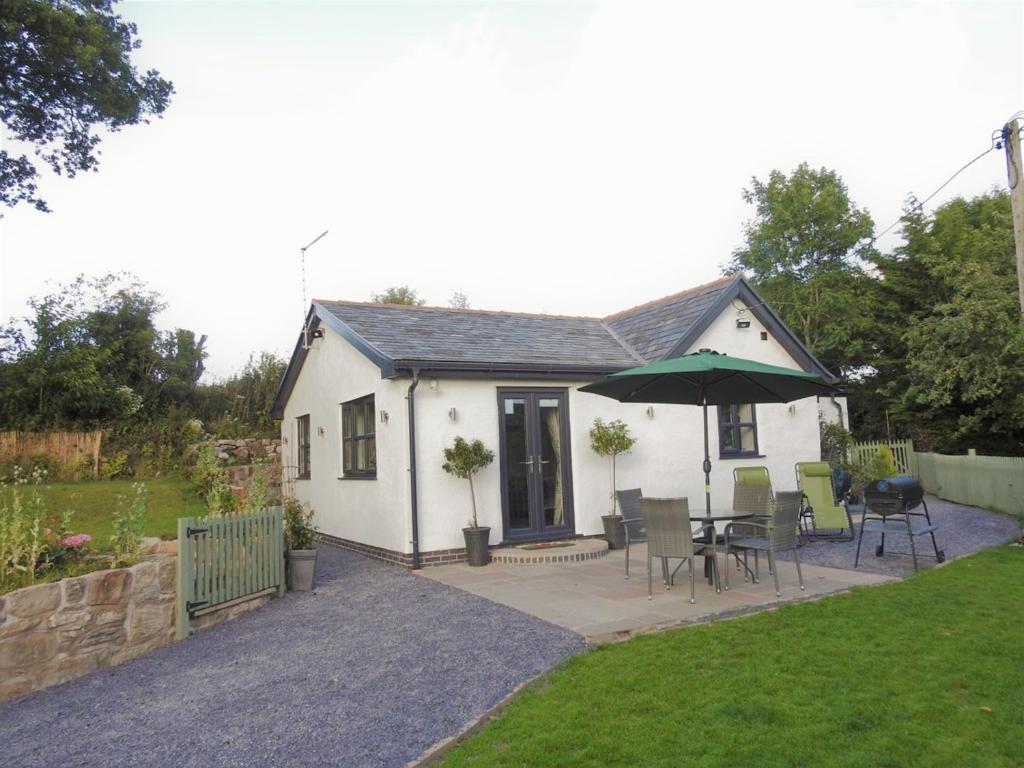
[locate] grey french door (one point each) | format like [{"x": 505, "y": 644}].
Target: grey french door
[{"x": 536, "y": 474}]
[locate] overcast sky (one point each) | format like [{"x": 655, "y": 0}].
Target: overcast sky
[{"x": 569, "y": 158}]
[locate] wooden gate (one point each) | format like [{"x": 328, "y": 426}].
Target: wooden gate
[{"x": 225, "y": 559}]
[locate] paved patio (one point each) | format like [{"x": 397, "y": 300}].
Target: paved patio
[{"x": 594, "y": 599}]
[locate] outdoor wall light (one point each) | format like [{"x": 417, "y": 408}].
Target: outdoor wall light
[
  {"x": 321, "y": 431},
  {"x": 742, "y": 322},
  {"x": 384, "y": 416},
  {"x": 792, "y": 408},
  {"x": 650, "y": 411},
  {"x": 433, "y": 385},
  {"x": 453, "y": 414}
]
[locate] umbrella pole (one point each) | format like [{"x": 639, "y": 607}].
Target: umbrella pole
[{"x": 707, "y": 460}]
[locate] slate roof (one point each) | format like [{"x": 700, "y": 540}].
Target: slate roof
[
  {"x": 655, "y": 329},
  {"x": 436, "y": 334},
  {"x": 459, "y": 341}
]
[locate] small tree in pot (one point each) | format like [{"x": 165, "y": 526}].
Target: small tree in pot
[
  {"x": 611, "y": 439},
  {"x": 465, "y": 460},
  {"x": 300, "y": 539}
]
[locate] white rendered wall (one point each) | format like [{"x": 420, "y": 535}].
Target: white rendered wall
[{"x": 374, "y": 512}]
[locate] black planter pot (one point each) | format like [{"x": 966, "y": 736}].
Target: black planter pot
[
  {"x": 477, "y": 552},
  {"x": 614, "y": 531}
]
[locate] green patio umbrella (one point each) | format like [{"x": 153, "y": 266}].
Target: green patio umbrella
[{"x": 708, "y": 378}]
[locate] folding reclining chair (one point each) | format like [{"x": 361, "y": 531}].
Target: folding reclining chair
[{"x": 821, "y": 517}]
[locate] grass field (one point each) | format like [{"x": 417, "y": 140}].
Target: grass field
[
  {"x": 94, "y": 503},
  {"x": 924, "y": 672}
]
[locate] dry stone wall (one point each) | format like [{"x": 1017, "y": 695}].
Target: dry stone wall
[{"x": 52, "y": 633}]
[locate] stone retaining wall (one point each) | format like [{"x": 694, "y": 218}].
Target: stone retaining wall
[{"x": 52, "y": 633}]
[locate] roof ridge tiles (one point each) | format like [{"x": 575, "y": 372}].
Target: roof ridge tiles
[
  {"x": 455, "y": 310},
  {"x": 654, "y": 302}
]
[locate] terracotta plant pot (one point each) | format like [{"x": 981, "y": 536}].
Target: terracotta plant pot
[
  {"x": 301, "y": 569},
  {"x": 614, "y": 531},
  {"x": 477, "y": 552}
]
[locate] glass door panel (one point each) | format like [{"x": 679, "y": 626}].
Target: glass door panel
[
  {"x": 550, "y": 456},
  {"x": 517, "y": 462}
]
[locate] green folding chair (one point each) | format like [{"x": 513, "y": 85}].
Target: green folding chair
[
  {"x": 821, "y": 517},
  {"x": 752, "y": 476}
]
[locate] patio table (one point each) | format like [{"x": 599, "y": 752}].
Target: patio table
[{"x": 716, "y": 516}]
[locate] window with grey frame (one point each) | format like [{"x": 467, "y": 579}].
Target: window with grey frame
[
  {"x": 302, "y": 446},
  {"x": 359, "y": 438},
  {"x": 737, "y": 430}
]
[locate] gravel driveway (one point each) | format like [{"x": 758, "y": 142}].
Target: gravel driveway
[
  {"x": 962, "y": 530},
  {"x": 371, "y": 669}
]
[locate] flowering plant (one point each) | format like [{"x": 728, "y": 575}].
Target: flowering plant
[{"x": 77, "y": 541}]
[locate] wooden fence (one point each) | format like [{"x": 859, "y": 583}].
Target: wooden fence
[
  {"x": 902, "y": 451},
  {"x": 68, "y": 448},
  {"x": 226, "y": 559},
  {"x": 993, "y": 482}
]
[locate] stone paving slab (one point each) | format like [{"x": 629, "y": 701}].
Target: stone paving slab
[
  {"x": 595, "y": 600},
  {"x": 372, "y": 669}
]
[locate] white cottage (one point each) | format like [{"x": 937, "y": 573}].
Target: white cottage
[{"x": 374, "y": 392}]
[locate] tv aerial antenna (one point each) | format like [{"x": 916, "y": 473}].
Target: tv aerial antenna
[{"x": 305, "y": 329}]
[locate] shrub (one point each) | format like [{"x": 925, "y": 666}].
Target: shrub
[
  {"x": 115, "y": 466},
  {"x": 882, "y": 464},
  {"x": 128, "y": 522},
  {"x": 465, "y": 460},
  {"x": 299, "y": 531},
  {"x": 611, "y": 439}
]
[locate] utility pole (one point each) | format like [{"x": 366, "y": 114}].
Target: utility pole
[{"x": 1011, "y": 142}]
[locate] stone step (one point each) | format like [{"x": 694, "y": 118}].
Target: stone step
[{"x": 578, "y": 551}]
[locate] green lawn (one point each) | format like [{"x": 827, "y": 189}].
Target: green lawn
[
  {"x": 94, "y": 502},
  {"x": 924, "y": 672}
]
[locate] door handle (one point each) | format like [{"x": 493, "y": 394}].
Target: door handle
[{"x": 529, "y": 462}]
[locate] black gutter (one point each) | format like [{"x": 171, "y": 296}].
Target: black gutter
[{"x": 411, "y": 397}]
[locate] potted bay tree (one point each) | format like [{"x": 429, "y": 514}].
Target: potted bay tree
[
  {"x": 300, "y": 540},
  {"x": 611, "y": 439},
  {"x": 464, "y": 459}
]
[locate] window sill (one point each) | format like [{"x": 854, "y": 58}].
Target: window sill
[
  {"x": 357, "y": 477},
  {"x": 729, "y": 456},
  {"x": 303, "y": 477}
]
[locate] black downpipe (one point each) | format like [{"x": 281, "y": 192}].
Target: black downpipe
[{"x": 411, "y": 398}]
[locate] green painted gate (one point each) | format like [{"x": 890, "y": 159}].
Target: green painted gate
[{"x": 221, "y": 559}]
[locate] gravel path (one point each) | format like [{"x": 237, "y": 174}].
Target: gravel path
[
  {"x": 371, "y": 669},
  {"x": 962, "y": 530}
]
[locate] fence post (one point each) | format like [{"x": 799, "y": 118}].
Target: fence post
[
  {"x": 184, "y": 578},
  {"x": 279, "y": 549}
]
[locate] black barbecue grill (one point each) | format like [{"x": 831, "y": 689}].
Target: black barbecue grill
[{"x": 889, "y": 507}]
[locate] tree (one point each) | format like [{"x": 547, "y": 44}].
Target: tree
[
  {"x": 90, "y": 355},
  {"x": 65, "y": 70},
  {"x": 805, "y": 250},
  {"x": 610, "y": 439},
  {"x": 465, "y": 460},
  {"x": 952, "y": 359},
  {"x": 459, "y": 300},
  {"x": 399, "y": 294}
]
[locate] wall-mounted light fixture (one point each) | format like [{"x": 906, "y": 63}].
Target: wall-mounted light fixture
[
  {"x": 318, "y": 333},
  {"x": 792, "y": 408},
  {"x": 453, "y": 414},
  {"x": 384, "y": 416},
  {"x": 285, "y": 440},
  {"x": 742, "y": 322},
  {"x": 321, "y": 431},
  {"x": 433, "y": 385},
  {"x": 650, "y": 411}
]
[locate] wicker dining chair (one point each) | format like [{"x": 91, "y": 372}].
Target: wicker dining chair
[
  {"x": 632, "y": 520},
  {"x": 670, "y": 535},
  {"x": 779, "y": 534},
  {"x": 749, "y": 498}
]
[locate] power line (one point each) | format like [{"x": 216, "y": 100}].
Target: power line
[{"x": 921, "y": 203}]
